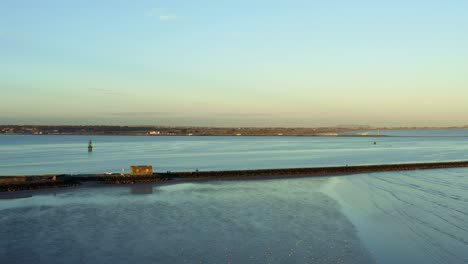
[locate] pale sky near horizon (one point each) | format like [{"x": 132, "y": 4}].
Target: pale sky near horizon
[{"x": 234, "y": 63}]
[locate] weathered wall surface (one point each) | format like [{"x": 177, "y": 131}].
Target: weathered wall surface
[{"x": 12, "y": 180}]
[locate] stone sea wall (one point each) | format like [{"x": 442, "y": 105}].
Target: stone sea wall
[
  {"x": 20, "y": 183},
  {"x": 317, "y": 171}
]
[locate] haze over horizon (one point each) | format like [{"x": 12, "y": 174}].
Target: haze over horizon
[{"x": 236, "y": 63}]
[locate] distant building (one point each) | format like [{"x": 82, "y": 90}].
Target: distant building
[
  {"x": 143, "y": 170},
  {"x": 328, "y": 134},
  {"x": 154, "y": 132}
]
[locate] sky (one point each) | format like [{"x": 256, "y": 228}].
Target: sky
[{"x": 234, "y": 63}]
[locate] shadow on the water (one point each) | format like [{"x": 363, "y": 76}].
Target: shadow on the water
[{"x": 15, "y": 195}]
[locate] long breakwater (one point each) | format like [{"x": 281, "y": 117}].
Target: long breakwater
[{"x": 34, "y": 182}]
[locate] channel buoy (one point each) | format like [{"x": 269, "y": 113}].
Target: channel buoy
[{"x": 90, "y": 146}]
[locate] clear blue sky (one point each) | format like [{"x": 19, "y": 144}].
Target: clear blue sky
[{"x": 234, "y": 63}]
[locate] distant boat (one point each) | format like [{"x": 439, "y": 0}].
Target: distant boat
[{"x": 90, "y": 146}]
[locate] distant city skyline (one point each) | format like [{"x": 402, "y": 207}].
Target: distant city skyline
[{"x": 234, "y": 63}]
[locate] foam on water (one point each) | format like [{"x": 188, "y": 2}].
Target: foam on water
[{"x": 408, "y": 217}]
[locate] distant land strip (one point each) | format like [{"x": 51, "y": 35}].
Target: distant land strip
[
  {"x": 349, "y": 131},
  {"x": 24, "y": 183}
]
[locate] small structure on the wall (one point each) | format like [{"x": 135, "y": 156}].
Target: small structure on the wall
[{"x": 142, "y": 170}]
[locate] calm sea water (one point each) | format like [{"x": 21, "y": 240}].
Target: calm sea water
[
  {"x": 397, "y": 217},
  {"x": 25, "y": 155}
]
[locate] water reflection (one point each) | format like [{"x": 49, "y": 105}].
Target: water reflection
[
  {"x": 226, "y": 222},
  {"x": 393, "y": 217},
  {"x": 141, "y": 190}
]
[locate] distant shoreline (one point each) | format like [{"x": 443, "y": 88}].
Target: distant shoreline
[
  {"x": 324, "y": 136},
  {"x": 144, "y": 135},
  {"x": 204, "y": 131}
]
